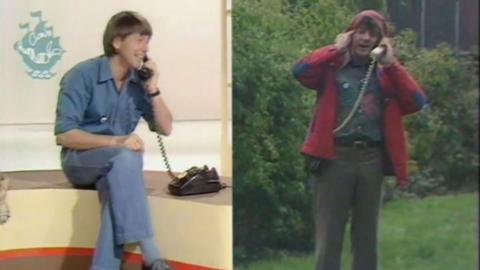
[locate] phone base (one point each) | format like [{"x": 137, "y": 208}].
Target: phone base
[{"x": 196, "y": 181}]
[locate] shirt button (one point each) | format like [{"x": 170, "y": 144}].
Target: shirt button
[
  {"x": 346, "y": 85},
  {"x": 103, "y": 119}
]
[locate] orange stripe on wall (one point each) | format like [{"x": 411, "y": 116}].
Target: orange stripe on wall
[
  {"x": 45, "y": 252},
  {"x": 186, "y": 266}
]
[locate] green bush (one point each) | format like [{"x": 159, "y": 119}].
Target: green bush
[{"x": 444, "y": 137}]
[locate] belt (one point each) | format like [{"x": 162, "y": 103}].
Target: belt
[{"x": 357, "y": 143}]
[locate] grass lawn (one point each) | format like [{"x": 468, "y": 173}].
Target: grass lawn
[{"x": 435, "y": 233}]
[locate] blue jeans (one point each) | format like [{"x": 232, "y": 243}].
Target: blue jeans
[{"x": 117, "y": 174}]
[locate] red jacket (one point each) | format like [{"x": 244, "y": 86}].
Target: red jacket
[{"x": 401, "y": 93}]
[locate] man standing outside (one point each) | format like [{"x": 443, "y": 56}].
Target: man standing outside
[
  {"x": 99, "y": 105},
  {"x": 348, "y": 163}
]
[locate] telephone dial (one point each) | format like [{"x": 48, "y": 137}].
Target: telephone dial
[{"x": 193, "y": 181}]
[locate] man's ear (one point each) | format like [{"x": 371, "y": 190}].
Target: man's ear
[{"x": 117, "y": 42}]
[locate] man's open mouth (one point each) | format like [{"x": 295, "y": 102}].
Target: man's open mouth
[{"x": 364, "y": 46}]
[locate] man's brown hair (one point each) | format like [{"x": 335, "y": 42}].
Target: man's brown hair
[{"x": 121, "y": 25}]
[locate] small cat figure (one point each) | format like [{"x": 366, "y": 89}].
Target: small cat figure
[{"x": 4, "y": 211}]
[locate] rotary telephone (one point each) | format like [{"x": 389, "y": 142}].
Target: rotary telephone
[{"x": 195, "y": 180}]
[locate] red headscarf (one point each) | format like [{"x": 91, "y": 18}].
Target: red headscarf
[{"x": 378, "y": 18}]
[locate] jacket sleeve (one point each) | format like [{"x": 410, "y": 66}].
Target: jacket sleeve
[
  {"x": 404, "y": 89},
  {"x": 310, "y": 71}
]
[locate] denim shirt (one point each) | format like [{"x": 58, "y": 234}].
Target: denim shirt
[{"x": 89, "y": 100}]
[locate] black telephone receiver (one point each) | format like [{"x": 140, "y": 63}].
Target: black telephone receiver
[{"x": 143, "y": 72}]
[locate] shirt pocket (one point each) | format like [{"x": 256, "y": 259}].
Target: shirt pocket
[{"x": 97, "y": 119}]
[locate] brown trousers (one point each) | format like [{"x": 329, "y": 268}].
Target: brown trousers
[{"x": 350, "y": 185}]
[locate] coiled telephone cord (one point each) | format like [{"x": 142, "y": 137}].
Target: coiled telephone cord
[
  {"x": 360, "y": 96},
  {"x": 164, "y": 157}
]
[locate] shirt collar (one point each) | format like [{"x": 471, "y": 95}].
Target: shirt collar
[
  {"x": 105, "y": 71},
  {"x": 356, "y": 63}
]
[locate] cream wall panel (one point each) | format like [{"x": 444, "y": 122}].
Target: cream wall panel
[
  {"x": 187, "y": 45},
  {"x": 186, "y": 231}
]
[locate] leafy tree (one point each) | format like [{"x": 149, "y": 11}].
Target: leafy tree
[{"x": 358, "y": 5}]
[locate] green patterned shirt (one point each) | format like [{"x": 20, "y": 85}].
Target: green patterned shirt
[{"x": 366, "y": 122}]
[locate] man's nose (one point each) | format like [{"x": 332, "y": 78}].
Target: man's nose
[
  {"x": 369, "y": 36},
  {"x": 145, "y": 47}
]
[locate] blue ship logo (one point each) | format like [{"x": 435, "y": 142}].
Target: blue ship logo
[{"x": 39, "y": 48}]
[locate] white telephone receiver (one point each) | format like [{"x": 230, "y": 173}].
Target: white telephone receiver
[{"x": 376, "y": 52}]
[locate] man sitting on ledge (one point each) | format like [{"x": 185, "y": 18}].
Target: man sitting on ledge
[{"x": 99, "y": 105}]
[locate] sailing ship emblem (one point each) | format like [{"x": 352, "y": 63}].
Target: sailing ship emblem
[{"x": 39, "y": 48}]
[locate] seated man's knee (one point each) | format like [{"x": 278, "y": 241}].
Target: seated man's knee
[{"x": 127, "y": 157}]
